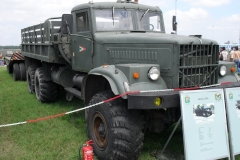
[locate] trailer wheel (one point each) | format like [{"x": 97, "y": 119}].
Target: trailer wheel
[
  {"x": 46, "y": 91},
  {"x": 22, "y": 72},
  {"x": 9, "y": 68},
  {"x": 16, "y": 72},
  {"x": 115, "y": 130},
  {"x": 30, "y": 78}
]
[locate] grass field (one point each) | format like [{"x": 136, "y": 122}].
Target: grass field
[
  {"x": 54, "y": 139},
  {"x": 58, "y": 138}
]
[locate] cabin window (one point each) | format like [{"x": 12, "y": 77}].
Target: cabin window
[
  {"x": 115, "y": 19},
  {"x": 82, "y": 22}
]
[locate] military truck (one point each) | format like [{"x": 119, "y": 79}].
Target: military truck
[
  {"x": 203, "y": 111},
  {"x": 105, "y": 49}
]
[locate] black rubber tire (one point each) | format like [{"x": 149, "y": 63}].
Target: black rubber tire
[
  {"x": 9, "y": 68},
  {"x": 46, "y": 91},
  {"x": 22, "y": 72},
  {"x": 16, "y": 72},
  {"x": 30, "y": 78},
  {"x": 115, "y": 130}
]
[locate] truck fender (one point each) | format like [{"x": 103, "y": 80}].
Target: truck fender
[{"x": 115, "y": 77}]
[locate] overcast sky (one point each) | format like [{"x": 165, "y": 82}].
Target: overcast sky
[{"x": 213, "y": 19}]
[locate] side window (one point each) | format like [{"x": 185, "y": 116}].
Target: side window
[{"x": 82, "y": 22}]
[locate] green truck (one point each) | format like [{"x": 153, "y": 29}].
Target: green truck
[{"x": 105, "y": 49}]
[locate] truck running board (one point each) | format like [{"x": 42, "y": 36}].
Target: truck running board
[{"x": 72, "y": 92}]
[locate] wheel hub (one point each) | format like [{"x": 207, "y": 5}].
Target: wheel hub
[{"x": 101, "y": 130}]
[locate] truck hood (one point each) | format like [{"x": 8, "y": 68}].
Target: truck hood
[{"x": 147, "y": 38}]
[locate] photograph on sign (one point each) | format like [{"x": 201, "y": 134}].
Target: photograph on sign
[
  {"x": 204, "y": 113},
  {"x": 232, "y": 97},
  {"x": 238, "y": 108},
  {"x": 204, "y": 124}
]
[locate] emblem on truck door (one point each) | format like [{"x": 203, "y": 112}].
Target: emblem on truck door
[{"x": 81, "y": 49}]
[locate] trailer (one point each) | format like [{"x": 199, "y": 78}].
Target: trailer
[{"x": 15, "y": 65}]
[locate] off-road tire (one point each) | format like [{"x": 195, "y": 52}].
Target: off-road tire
[
  {"x": 30, "y": 78},
  {"x": 16, "y": 72},
  {"x": 46, "y": 91},
  {"x": 115, "y": 130},
  {"x": 22, "y": 72},
  {"x": 9, "y": 68}
]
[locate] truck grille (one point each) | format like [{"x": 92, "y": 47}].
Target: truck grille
[{"x": 198, "y": 65}]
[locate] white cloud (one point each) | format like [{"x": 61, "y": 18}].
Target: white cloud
[
  {"x": 234, "y": 19},
  {"x": 207, "y": 3},
  {"x": 188, "y": 21},
  {"x": 199, "y": 21},
  {"x": 158, "y": 3},
  {"x": 230, "y": 29},
  {"x": 16, "y": 14}
]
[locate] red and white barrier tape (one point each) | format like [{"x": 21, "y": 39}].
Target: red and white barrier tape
[{"x": 108, "y": 100}]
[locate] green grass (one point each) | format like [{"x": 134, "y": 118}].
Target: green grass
[
  {"x": 54, "y": 139},
  {"x": 57, "y": 138}
]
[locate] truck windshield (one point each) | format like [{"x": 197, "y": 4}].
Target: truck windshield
[
  {"x": 119, "y": 20},
  {"x": 148, "y": 21}
]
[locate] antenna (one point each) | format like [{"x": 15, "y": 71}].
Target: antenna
[
  {"x": 176, "y": 8},
  {"x": 175, "y": 21}
]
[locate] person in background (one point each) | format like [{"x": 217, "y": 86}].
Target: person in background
[
  {"x": 231, "y": 52},
  {"x": 220, "y": 55},
  {"x": 236, "y": 57},
  {"x": 223, "y": 54},
  {"x": 0, "y": 59}
]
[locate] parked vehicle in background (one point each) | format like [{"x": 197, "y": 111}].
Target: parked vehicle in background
[
  {"x": 15, "y": 65},
  {"x": 105, "y": 49}
]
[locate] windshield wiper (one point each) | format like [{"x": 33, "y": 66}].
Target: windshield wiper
[
  {"x": 144, "y": 14},
  {"x": 113, "y": 15}
]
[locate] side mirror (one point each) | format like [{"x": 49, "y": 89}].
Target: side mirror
[
  {"x": 67, "y": 22},
  {"x": 174, "y": 23}
]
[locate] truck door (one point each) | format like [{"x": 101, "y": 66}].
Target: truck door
[{"x": 82, "y": 45}]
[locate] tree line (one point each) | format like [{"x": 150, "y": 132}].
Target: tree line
[{"x": 10, "y": 47}]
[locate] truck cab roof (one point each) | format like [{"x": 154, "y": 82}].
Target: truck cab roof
[{"x": 116, "y": 5}]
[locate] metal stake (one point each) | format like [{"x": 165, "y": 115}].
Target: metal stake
[{"x": 170, "y": 137}]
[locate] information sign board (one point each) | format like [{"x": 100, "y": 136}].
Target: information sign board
[
  {"x": 204, "y": 124},
  {"x": 232, "y": 97}
]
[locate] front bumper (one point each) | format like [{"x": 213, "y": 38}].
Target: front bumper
[{"x": 169, "y": 99}]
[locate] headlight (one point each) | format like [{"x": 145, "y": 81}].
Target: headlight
[
  {"x": 153, "y": 73},
  {"x": 223, "y": 70}
]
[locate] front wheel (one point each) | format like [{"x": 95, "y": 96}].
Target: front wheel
[{"x": 115, "y": 130}]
